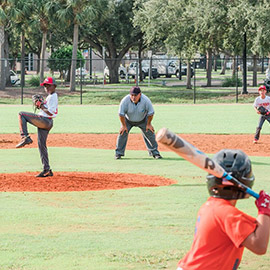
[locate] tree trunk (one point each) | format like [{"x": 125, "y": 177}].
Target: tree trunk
[
  {"x": 42, "y": 56},
  {"x": 140, "y": 63},
  {"x": 113, "y": 66},
  {"x": 74, "y": 59},
  {"x": 2, "y": 62},
  {"x": 6, "y": 54},
  {"x": 38, "y": 65},
  {"x": 215, "y": 62},
  {"x": 223, "y": 70},
  {"x": 254, "y": 79},
  {"x": 209, "y": 67}
]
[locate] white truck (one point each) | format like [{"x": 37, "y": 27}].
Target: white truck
[
  {"x": 145, "y": 69},
  {"x": 122, "y": 71},
  {"x": 169, "y": 67}
]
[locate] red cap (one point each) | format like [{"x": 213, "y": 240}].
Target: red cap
[
  {"x": 49, "y": 80},
  {"x": 262, "y": 87}
]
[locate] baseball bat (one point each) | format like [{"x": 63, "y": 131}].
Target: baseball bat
[{"x": 198, "y": 158}]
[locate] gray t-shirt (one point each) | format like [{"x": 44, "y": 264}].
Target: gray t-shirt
[{"x": 136, "y": 112}]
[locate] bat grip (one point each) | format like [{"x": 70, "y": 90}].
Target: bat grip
[{"x": 241, "y": 185}]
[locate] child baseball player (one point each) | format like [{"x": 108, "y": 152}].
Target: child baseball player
[
  {"x": 43, "y": 121},
  {"x": 262, "y": 107},
  {"x": 223, "y": 231}
]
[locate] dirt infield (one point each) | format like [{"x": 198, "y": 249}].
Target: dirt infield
[
  {"x": 65, "y": 181},
  {"x": 79, "y": 181},
  {"x": 206, "y": 142}
]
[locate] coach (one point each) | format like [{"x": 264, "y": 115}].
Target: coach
[{"x": 136, "y": 110}]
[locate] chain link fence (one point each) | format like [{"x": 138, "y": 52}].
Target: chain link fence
[{"x": 159, "y": 72}]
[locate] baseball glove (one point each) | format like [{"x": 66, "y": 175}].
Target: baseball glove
[
  {"x": 37, "y": 100},
  {"x": 263, "y": 111}
]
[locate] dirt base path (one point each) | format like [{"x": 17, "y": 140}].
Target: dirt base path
[
  {"x": 205, "y": 142},
  {"x": 80, "y": 181}
]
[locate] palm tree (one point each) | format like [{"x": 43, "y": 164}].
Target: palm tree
[
  {"x": 20, "y": 12},
  {"x": 74, "y": 12},
  {"x": 44, "y": 14},
  {"x": 4, "y": 11}
]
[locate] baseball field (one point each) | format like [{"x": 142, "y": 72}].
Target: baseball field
[{"x": 100, "y": 213}]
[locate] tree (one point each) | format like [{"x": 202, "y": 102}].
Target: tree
[
  {"x": 44, "y": 17},
  {"x": 20, "y": 13},
  {"x": 74, "y": 12},
  {"x": 209, "y": 28},
  {"x": 61, "y": 59},
  {"x": 175, "y": 33},
  {"x": 111, "y": 28},
  {"x": 4, "y": 25}
]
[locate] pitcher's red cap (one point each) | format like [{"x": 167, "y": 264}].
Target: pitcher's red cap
[
  {"x": 262, "y": 87},
  {"x": 49, "y": 80}
]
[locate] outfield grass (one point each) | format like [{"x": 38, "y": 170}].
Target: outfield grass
[
  {"x": 211, "y": 119},
  {"x": 141, "y": 228},
  {"x": 138, "y": 228}
]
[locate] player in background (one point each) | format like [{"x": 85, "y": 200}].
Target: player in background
[
  {"x": 44, "y": 122},
  {"x": 223, "y": 231},
  {"x": 264, "y": 101}
]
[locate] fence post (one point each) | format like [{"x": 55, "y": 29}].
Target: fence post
[
  {"x": 194, "y": 88},
  {"x": 81, "y": 79},
  {"x": 236, "y": 79},
  {"x": 245, "y": 65},
  {"x": 180, "y": 69}
]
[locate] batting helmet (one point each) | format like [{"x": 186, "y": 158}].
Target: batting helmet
[{"x": 236, "y": 163}]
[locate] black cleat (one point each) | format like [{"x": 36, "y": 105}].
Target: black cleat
[
  {"x": 24, "y": 141},
  {"x": 117, "y": 157},
  {"x": 157, "y": 156},
  {"x": 45, "y": 173}
]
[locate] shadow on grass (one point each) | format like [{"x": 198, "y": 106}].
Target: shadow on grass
[
  {"x": 150, "y": 158},
  {"x": 260, "y": 163},
  {"x": 187, "y": 185}
]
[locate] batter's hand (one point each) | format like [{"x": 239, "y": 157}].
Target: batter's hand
[
  {"x": 263, "y": 203},
  {"x": 150, "y": 127},
  {"x": 123, "y": 129}
]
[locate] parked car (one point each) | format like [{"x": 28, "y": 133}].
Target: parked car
[
  {"x": 122, "y": 71},
  {"x": 145, "y": 69},
  {"x": 183, "y": 71},
  {"x": 14, "y": 78},
  {"x": 169, "y": 68}
]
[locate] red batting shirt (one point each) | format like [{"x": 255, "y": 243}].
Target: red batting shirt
[{"x": 220, "y": 230}]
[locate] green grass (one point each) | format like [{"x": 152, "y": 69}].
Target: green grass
[
  {"x": 215, "y": 119},
  {"x": 136, "y": 228},
  {"x": 140, "y": 228}
]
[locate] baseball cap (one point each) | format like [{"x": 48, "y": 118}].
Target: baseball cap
[
  {"x": 135, "y": 90},
  {"x": 49, "y": 80},
  {"x": 262, "y": 87}
]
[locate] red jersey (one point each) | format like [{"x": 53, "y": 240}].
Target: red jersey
[{"x": 220, "y": 230}]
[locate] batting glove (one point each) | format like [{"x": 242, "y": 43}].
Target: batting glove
[{"x": 263, "y": 203}]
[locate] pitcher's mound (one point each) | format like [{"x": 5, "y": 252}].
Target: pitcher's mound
[{"x": 78, "y": 181}]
